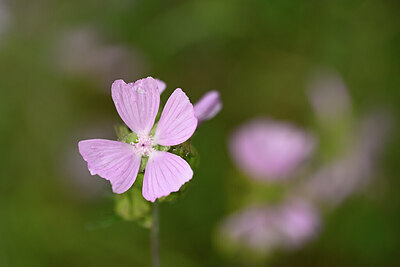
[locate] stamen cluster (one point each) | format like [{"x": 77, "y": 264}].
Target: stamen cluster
[{"x": 143, "y": 145}]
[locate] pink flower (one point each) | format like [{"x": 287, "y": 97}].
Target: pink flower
[
  {"x": 267, "y": 149},
  {"x": 264, "y": 228},
  {"x": 137, "y": 104}
]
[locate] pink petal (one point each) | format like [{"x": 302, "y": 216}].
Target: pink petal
[
  {"x": 165, "y": 173},
  {"x": 208, "y": 106},
  {"x": 137, "y": 103},
  {"x": 177, "y": 123},
  {"x": 112, "y": 160},
  {"x": 161, "y": 86}
]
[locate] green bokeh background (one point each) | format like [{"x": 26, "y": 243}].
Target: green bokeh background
[{"x": 258, "y": 54}]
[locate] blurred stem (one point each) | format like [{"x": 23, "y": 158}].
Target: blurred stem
[{"x": 155, "y": 246}]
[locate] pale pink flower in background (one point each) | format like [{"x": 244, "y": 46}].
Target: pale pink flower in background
[
  {"x": 137, "y": 104},
  {"x": 336, "y": 180},
  {"x": 266, "y": 228},
  {"x": 342, "y": 176},
  {"x": 328, "y": 95},
  {"x": 208, "y": 106},
  {"x": 267, "y": 149},
  {"x": 84, "y": 52}
]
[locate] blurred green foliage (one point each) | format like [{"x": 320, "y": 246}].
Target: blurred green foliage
[{"x": 258, "y": 54}]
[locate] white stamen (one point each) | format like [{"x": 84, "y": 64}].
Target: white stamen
[{"x": 143, "y": 145}]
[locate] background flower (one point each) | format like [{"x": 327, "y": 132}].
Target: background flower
[
  {"x": 336, "y": 180},
  {"x": 269, "y": 228},
  {"x": 270, "y": 150}
]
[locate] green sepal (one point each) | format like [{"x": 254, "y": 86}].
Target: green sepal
[
  {"x": 124, "y": 134},
  {"x": 188, "y": 152},
  {"x": 143, "y": 163},
  {"x": 162, "y": 148},
  {"x": 193, "y": 158},
  {"x": 121, "y": 131},
  {"x": 175, "y": 195},
  {"x": 153, "y": 130},
  {"x": 131, "y": 206},
  {"x": 130, "y": 138}
]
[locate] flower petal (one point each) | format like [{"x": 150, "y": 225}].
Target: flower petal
[
  {"x": 137, "y": 103},
  {"x": 177, "y": 123},
  {"x": 208, "y": 106},
  {"x": 112, "y": 160},
  {"x": 161, "y": 86},
  {"x": 165, "y": 173}
]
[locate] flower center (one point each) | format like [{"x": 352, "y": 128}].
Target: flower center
[{"x": 143, "y": 145}]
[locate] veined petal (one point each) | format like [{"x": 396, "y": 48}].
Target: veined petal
[
  {"x": 165, "y": 173},
  {"x": 208, "y": 106},
  {"x": 161, "y": 85},
  {"x": 137, "y": 103},
  {"x": 177, "y": 123},
  {"x": 114, "y": 161}
]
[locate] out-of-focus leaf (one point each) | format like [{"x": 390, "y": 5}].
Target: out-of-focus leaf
[{"x": 121, "y": 131}]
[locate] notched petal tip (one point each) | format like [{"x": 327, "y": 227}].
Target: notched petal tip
[
  {"x": 118, "y": 82},
  {"x": 137, "y": 103},
  {"x": 112, "y": 160},
  {"x": 161, "y": 85}
]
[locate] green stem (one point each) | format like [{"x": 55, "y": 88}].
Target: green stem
[{"x": 155, "y": 246}]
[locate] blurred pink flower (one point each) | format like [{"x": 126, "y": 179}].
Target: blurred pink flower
[
  {"x": 336, "y": 180},
  {"x": 137, "y": 104},
  {"x": 267, "y": 149},
  {"x": 263, "y": 228}
]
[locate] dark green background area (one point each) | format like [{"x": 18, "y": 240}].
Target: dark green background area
[{"x": 258, "y": 54}]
